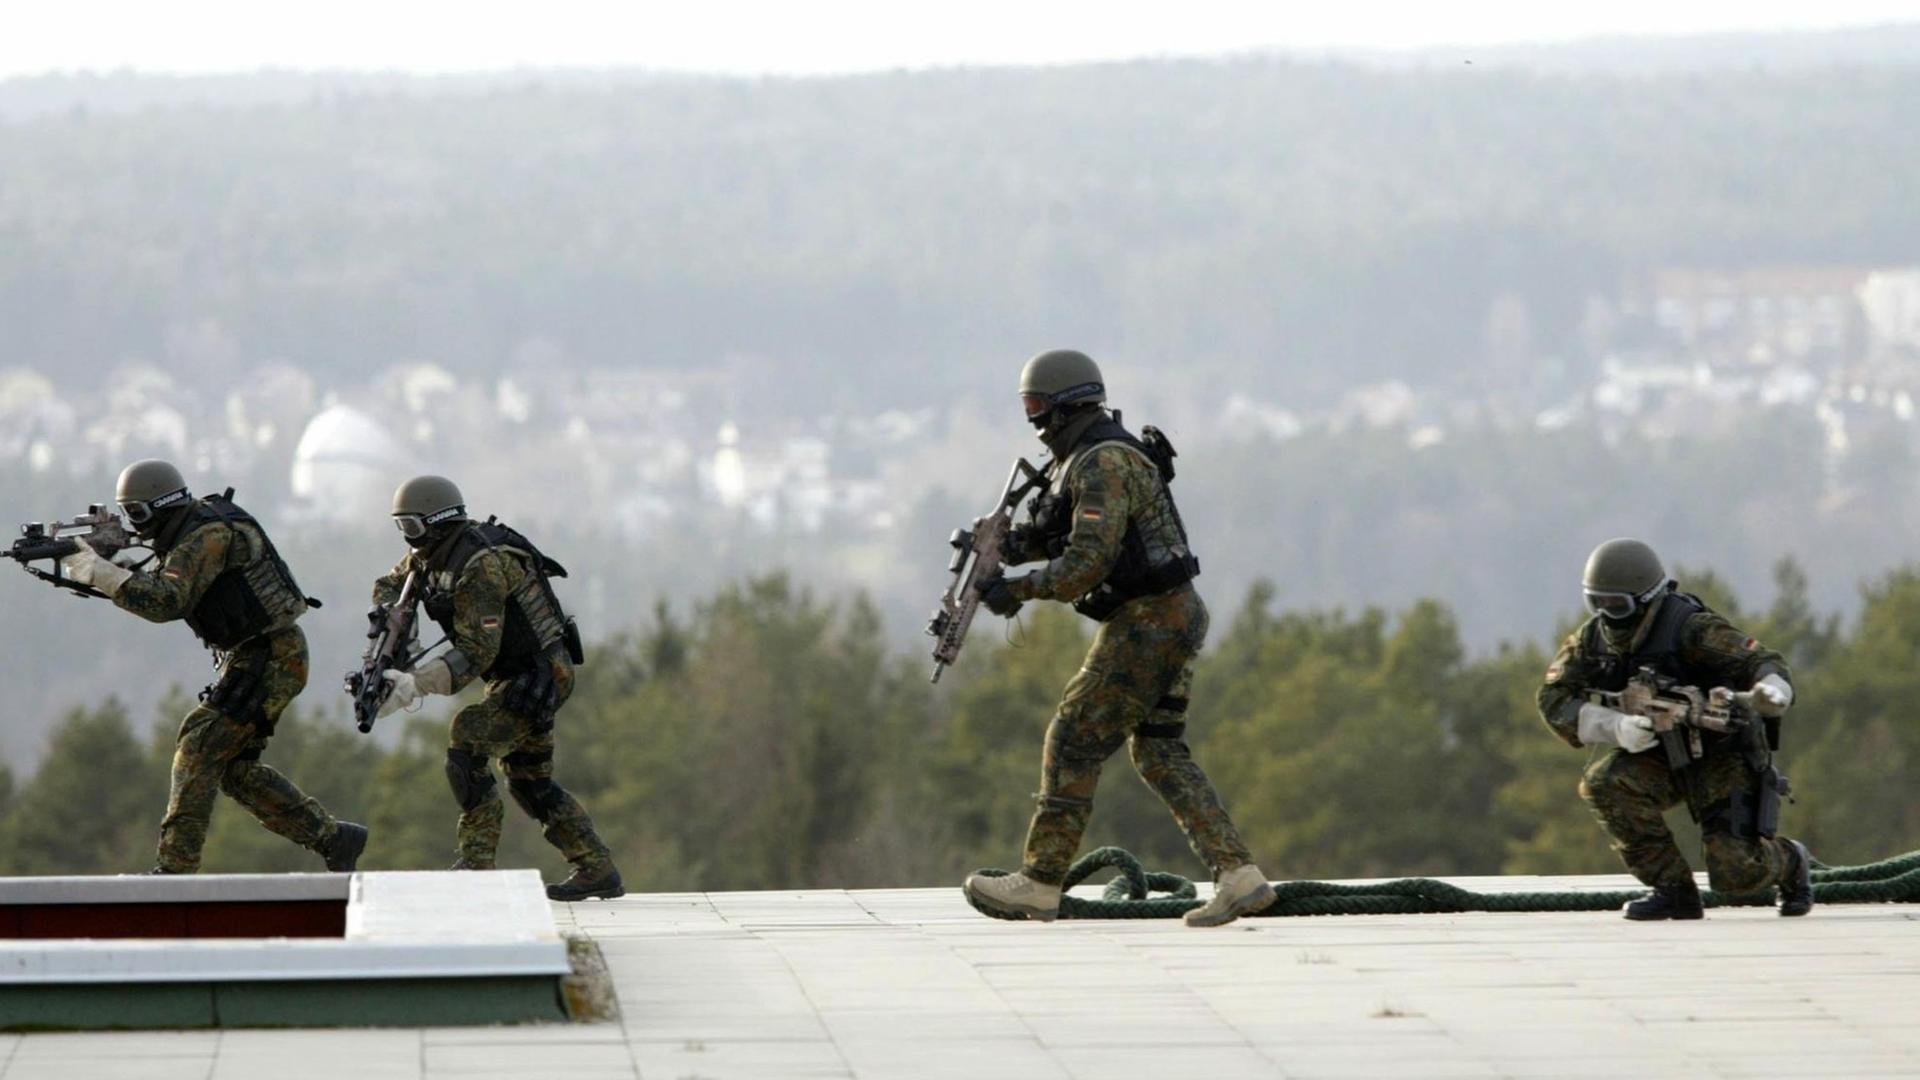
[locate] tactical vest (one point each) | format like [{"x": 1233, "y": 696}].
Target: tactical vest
[
  {"x": 246, "y": 600},
  {"x": 1155, "y": 556},
  {"x": 1660, "y": 650},
  {"x": 535, "y": 622}
]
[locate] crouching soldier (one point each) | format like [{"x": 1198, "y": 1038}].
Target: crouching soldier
[
  {"x": 219, "y": 573},
  {"x": 1641, "y": 621},
  {"x": 487, "y": 587}
]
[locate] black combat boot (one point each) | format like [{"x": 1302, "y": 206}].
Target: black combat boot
[
  {"x": 580, "y": 886},
  {"x": 343, "y": 851},
  {"x": 1796, "y": 893},
  {"x": 1680, "y": 900}
]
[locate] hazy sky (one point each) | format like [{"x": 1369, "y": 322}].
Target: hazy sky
[{"x": 819, "y": 36}]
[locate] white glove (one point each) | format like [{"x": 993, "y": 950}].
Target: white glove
[
  {"x": 1771, "y": 696},
  {"x": 1599, "y": 724},
  {"x": 403, "y": 692},
  {"x": 407, "y": 688},
  {"x": 86, "y": 567}
]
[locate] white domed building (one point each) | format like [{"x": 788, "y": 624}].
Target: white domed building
[{"x": 346, "y": 466}]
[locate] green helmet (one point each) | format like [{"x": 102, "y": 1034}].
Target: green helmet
[
  {"x": 426, "y": 501},
  {"x": 1621, "y": 577},
  {"x": 148, "y": 487},
  {"x": 1064, "y": 377}
]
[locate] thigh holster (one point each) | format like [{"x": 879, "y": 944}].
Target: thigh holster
[{"x": 240, "y": 695}]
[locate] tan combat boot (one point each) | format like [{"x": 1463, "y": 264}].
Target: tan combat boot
[
  {"x": 1240, "y": 891},
  {"x": 1015, "y": 894}
]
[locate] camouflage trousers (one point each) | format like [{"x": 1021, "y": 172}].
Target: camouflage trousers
[
  {"x": 1629, "y": 793},
  {"x": 219, "y": 752},
  {"x": 1132, "y": 689},
  {"x": 489, "y": 729}
]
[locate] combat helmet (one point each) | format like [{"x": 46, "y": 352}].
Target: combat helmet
[
  {"x": 1621, "y": 578},
  {"x": 426, "y": 501},
  {"x": 1060, "y": 377},
  {"x": 148, "y": 487}
]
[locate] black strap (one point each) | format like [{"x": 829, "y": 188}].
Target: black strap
[
  {"x": 1171, "y": 704},
  {"x": 1161, "y": 731}
]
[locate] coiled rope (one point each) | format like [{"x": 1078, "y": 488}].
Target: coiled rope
[{"x": 1132, "y": 894}]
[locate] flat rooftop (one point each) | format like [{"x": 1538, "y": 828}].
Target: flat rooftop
[{"x": 913, "y": 983}]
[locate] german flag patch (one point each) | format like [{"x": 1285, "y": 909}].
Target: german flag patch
[
  {"x": 1093, "y": 513},
  {"x": 490, "y": 622}
]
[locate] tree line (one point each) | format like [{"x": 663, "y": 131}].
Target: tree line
[{"x": 767, "y": 737}]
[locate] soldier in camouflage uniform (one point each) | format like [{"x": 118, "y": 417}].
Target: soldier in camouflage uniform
[
  {"x": 1117, "y": 550},
  {"x": 1640, "y": 620},
  {"x": 220, "y": 574},
  {"x": 487, "y": 586}
]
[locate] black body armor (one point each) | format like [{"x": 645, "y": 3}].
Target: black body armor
[
  {"x": 535, "y": 622},
  {"x": 244, "y": 601},
  {"x": 1143, "y": 568}
]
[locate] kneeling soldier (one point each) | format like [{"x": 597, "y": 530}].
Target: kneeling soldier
[
  {"x": 487, "y": 586},
  {"x": 1640, "y": 621},
  {"x": 220, "y": 574}
]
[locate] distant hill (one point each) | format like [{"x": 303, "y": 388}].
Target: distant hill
[
  {"x": 1289, "y": 227},
  {"x": 1891, "y": 45}
]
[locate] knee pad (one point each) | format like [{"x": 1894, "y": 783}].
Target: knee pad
[
  {"x": 468, "y": 775},
  {"x": 537, "y": 797}
]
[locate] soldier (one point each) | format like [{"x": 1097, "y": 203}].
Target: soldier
[
  {"x": 1639, "y": 620},
  {"x": 486, "y": 585},
  {"x": 220, "y": 573},
  {"x": 1117, "y": 551}
]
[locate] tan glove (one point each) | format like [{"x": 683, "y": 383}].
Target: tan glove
[{"x": 86, "y": 567}]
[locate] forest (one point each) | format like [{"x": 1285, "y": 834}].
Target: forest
[{"x": 767, "y": 737}]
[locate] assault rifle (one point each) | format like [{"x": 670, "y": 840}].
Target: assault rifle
[
  {"x": 1681, "y": 713},
  {"x": 390, "y": 639},
  {"x": 977, "y": 555},
  {"x": 100, "y": 527}
]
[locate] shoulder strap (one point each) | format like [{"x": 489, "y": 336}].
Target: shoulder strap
[{"x": 1675, "y": 609}]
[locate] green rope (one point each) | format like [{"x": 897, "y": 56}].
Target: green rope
[{"x": 1131, "y": 895}]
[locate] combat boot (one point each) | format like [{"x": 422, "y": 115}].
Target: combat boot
[
  {"x": 1015, "y": 894},
  {"x": 1242, "y": 890},
  {"x": 343, "y": 851},
  {"x": 1679, "y": 900},
  {"x": 1796, "y": 893},
  {"x": 583, "y": 886}
]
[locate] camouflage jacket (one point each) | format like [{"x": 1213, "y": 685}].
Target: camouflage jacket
[
  {"x": 1107, "y": 489},
  {"x": 172, "y": 590},
  {"x": 480, "y": 596},
  {"x": 1710, "y": 650}
]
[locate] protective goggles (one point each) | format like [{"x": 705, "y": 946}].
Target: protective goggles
[
  {"x": 1617, "y": 605},
  {"x": 140, "y": 511},
  {"x": 415, "y": 526}
]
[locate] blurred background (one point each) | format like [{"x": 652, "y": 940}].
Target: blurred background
[{"x": 725, "y": 309}]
